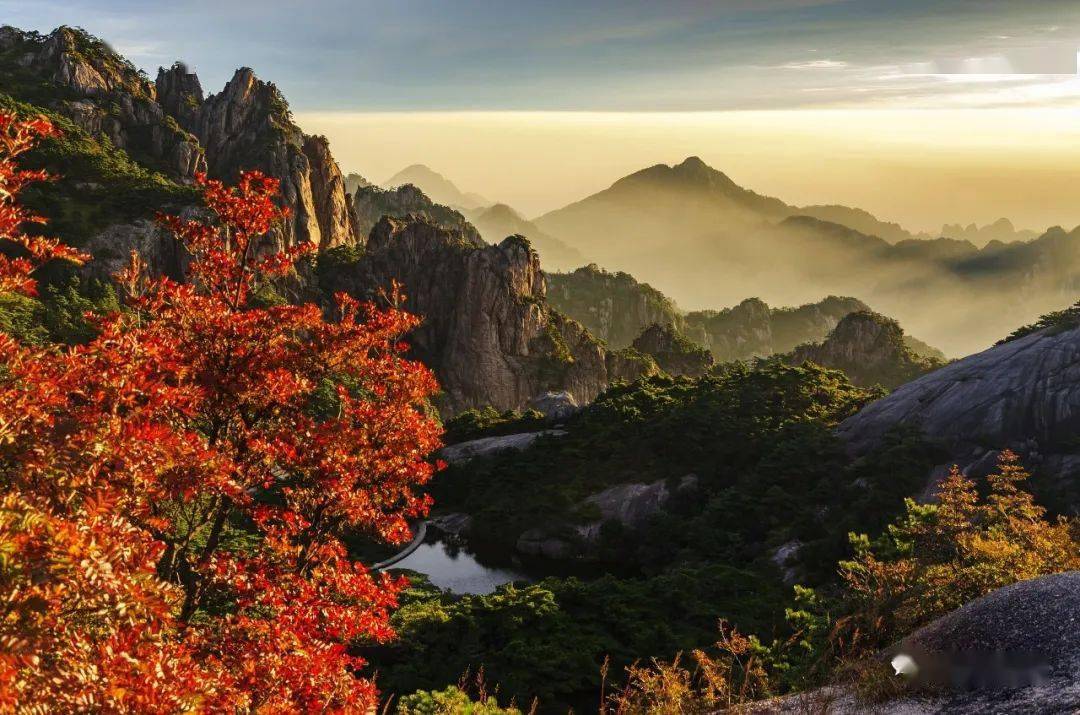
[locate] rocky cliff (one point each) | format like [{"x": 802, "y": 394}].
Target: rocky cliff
[
  {"x": 168, "y": 126},
  {"x": 248, "y": 126},
  {"x": 488, "y": 332},
  {"x": 869, "y": 348},
  {"x": 78, "y": 76}
]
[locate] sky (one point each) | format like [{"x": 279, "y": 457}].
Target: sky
[{"x": 889, "y": 105}]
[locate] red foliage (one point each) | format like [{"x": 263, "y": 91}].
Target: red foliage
[
  {"x": 170, "y": 538},
  {"x": 16, "y": 137}
]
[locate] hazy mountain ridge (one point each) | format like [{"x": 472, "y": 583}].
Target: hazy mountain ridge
[
  {"x": 693, "y": 233},
  {"x": 438, "y": 187},
  {"x": 498, "y": 221},
  {"x": 617, "y": 308}
]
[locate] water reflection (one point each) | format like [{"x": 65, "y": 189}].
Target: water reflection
[{"x": 453, "y": 568}]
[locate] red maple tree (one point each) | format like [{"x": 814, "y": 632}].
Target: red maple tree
[{"x": 176, "y": 491}]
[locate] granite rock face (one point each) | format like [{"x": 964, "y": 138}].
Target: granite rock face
[
  {"x": 555, "y": 405},
  {"x": 169, "y": 126},
  {"x": 248, "y": 126},
  {"x": 337, "y": 220},
  {"x": 1023, "y": 395},
  {"x": 487, "y": 446},
  {"x": 105, "y": 95},
  {"x": 487, "y": 333},
  {"x": 632, "y": 505},
  {"x": 112, "y": 249},
  {"x": 1022, "y": 638},
  {"x": 629, "y": 505}
]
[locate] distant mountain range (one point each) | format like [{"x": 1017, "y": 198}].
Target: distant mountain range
[
  {"x": 498, "y": 221},
  {"x": 692, "y": 232},
  {"x": 438, "y": 188}
]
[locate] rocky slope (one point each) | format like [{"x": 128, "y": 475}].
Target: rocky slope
[
  {"x": 77, "y": 75},
  {"x": 613, "y": 306},
  {"x": 168, "y": 126},
  {"x": 371, "y": 203},
  {"x": 498, "y": 221},
  {"x": 869, "y": 348},
  {"x": 488, "y": 333},
  {"x": 673, "y": 353},
  {"x": 1023, "y": 395},
  {"x": 1022, "y": 638},
  {"x": 248, "y": 126}
]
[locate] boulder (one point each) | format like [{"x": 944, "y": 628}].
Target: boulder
[
  {"x": 633, "y": 504},
  {"x": 556, "y": 406},
  {"x": 1014, "y": 650}
]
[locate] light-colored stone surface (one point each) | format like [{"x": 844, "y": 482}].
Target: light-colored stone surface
[
  {"x": 486, "y": 446},
  {"x": 1024, "y": 389},
  {"x": 1040, "y": 617},
  {"x": 633, "y": 504},
  {"x": 1023, "y": 395}
]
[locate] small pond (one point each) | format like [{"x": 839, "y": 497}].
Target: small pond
[{"x": 454, "y": 568}]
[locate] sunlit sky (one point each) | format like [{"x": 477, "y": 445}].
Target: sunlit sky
[{"x": 540, "y": 103}]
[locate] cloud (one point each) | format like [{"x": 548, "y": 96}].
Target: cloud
[{"x": 815, "y": 65}]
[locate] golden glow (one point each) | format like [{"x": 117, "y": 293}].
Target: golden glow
[{"x": 921, "y": 168}]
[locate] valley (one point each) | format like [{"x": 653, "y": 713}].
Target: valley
[{"x": 677, "y": 446}]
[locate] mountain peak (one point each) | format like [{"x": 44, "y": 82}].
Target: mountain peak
[
  {"x": 440, "y": 189},
  {"x": 693, "y": 162}
]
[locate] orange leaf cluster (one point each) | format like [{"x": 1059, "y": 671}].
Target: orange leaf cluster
[{"x": 173, "y": 506}]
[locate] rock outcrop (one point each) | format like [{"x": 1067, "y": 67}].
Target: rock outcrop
[
  {"x": 1014, "y": 650},
  {"x": 613, "y": 306},
  {"x": 487, "y": 446},
  {"x": 370, "y": 203},
  {"x": 869, "y": 348},
  {"x": 1023, "y": 395},
  {"x": 673, "y": 353},
  {"x": 337, "y": 220},
  {"x": 555, "y": 406},
  {"x": 169, "y": 126},
  {"x": 498, "y": 221},
  {"x": 246, "y": 126},
  {"x": 488, "y": 332},
  {"x": 100, "y": 92},
  {"x": 631, "y": 506}
]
